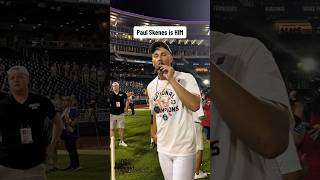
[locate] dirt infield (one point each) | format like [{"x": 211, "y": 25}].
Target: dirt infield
[{"x": 141, "y": 106}]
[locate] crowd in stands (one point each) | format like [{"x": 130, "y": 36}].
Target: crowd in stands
[
  {"x": 78, "y": 72},
  {"x": 137, "y": 87},
  {"x": 85, "y": 67},
  {"x": 47, "y": 81}
]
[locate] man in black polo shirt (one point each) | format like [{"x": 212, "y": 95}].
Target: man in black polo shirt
[
  {"x": 24, "y": 137},
  {"x": 119, "y": 105}
]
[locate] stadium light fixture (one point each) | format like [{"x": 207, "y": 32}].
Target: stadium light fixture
[
  {"x": 206, "y": 82},
  {"x": 307, "y": 64}
]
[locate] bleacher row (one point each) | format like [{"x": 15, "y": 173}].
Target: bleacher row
[
  {"x": 42, "y": 82},
  {"x": 144, "y": 48}
]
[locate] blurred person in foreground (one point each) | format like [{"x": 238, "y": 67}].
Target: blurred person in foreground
[
  {"x": 252, "y": 121},
  {"x": 24, "y": 137}
]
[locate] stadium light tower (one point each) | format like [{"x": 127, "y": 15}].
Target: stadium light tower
[{"x": 307, "y": 64}]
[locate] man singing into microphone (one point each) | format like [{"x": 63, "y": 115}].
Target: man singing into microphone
[{"x": 173, "y": 98}]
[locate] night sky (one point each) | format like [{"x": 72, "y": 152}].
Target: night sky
[{"x": 185, "y": 10}]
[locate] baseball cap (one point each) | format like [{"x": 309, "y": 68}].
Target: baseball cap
[
  {"x": 158, "y": 44},
  {"x": 115, "y": 83},
  {"x": 20, "y": 69}
]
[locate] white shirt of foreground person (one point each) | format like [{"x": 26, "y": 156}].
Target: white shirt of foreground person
[
  {"x": 251, "y": 64},
  {"x": 175, "y": 125}
]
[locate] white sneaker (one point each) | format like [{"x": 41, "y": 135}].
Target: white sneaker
[
  {"x": 121, "y": 143},
  {"x": 200, "y": 175}
]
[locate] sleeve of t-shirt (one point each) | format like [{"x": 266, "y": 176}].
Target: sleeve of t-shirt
[
  {"x": 192, "y": 85},
  {"x": 262, "y": 77},
  {"x": 49, "y": 108},
  {"x": 199, "y": 114},
  {"x": 289, "y": 161},
  {"x": 200, "y": 111}
]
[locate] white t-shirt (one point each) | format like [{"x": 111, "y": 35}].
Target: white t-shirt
[
  {"x": 175, "y": 125},
  {"x": 251, "y": 64},
  {"x": 288, "y": 161}
]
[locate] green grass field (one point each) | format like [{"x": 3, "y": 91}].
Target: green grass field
[
  {"x": 94, "y": 167},
  {"x": 135, "y": 162},
  {"x": 138, "y": 161}
]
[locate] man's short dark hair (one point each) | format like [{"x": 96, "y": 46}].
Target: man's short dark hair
[{"x": 158, "y": 44}]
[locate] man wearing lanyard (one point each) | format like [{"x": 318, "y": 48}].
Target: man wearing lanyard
[
  {"x": 119, "y": 105},
  {"x": 24, "y": 141},
  {"x": 173, "y": 98}
]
